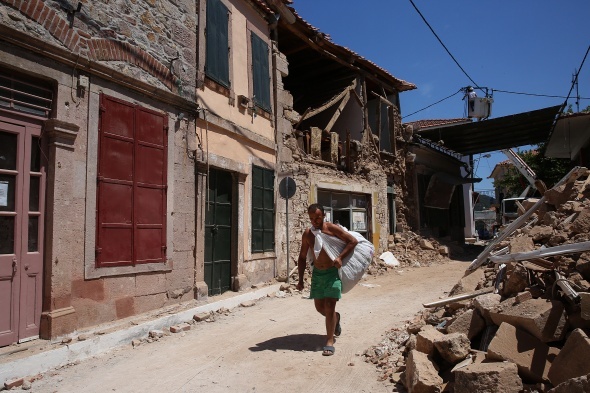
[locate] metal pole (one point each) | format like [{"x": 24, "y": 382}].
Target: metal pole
[{"x": 287, "y": 225}]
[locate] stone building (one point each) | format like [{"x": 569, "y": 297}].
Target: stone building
[
  {"x": 339, "y": 136},
  {"x": 142, "y": 145},
  {"x": 103, "y": 212}
]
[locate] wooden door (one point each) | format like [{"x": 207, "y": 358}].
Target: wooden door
[
  {"x": 22, "y": 191},
  {"x": 218, "y": 229}
]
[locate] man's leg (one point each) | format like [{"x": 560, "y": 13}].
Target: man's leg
[
  {"x": 320, "y": 306},
  {"x": 327, "y": 307},
  {"x": 331, "y": 319}
]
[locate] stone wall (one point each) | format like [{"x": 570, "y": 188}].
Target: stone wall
[{"x": 150, "y": 41}]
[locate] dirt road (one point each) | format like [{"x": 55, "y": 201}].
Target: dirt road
[{"x": 274, "y": 346}]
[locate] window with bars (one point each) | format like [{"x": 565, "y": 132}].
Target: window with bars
[
  {"x": 217, "y": 42},
  {"x": 260, "y": 72},
  {"x": 263, "y": 210},
  {"x": 33, "y": 98}
]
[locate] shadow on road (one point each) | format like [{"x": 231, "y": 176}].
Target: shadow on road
[{"x": 293, "y": 342}]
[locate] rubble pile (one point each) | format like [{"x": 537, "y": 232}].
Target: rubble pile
[
  {"x": 413, "y": 250},
  {"x": 518, "y": 320}
]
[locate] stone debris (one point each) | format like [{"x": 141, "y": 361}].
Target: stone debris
[
  {"x": 528, "y": 333},
  {"x": 488, "y": 377}
]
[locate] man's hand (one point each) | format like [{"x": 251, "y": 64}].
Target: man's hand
[{"x": 338, "y": 262}]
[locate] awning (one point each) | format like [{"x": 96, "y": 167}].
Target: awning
[
  {"x": 440, "y": 189},
  {"x": 495, "y": 134},
  {"x": 572, "y": 132}
]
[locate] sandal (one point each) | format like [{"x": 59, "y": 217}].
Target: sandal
[{"x": 328, "y": 350}]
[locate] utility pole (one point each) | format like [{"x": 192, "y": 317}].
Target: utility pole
[{"x": 575, "y": 82}]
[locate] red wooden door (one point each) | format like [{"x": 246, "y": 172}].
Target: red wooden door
[{"x": 22, "y": 190}]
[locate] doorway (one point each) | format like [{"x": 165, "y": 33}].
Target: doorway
[
  {"x": 218, "y": 232},
  {"x": 22, "y": 200}
]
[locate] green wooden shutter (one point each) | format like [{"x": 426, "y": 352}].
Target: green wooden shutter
[
  {"x": 217, "y": 46},
  {"x": 260, "y": 73},
  {"x": 263, "y": 230}
]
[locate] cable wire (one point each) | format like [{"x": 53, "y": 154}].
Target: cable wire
[
  {"x": 535, "y": 95},
  {"x": 444, "y": 46},
  {"x": 438, "y": 102}
]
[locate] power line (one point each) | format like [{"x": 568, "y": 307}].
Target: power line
[
  {"x": 533, "y": 94},
  {"x": 444, "y": 46},
  {"x": 437, "y": 102}
]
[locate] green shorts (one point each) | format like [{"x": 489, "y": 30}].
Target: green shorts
[{"x": 325, "y": 284}]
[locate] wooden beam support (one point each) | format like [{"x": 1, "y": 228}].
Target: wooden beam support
[{"x": 338, "y": 111}]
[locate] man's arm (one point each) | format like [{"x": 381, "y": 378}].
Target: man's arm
[
  {"x": 346, "y": 237},
  {"x": 302, "y": 260}
]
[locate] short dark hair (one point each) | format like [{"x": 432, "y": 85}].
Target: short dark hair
[{"x": 315, "y": 206}]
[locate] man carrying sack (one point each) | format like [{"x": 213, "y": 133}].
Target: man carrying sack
[{"x": 329, "y": 246}]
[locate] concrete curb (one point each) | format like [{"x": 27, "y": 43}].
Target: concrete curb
[{"x": 48, "y": 360}]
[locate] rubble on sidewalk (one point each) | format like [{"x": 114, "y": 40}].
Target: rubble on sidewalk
[{"x": 522, "y": 308}]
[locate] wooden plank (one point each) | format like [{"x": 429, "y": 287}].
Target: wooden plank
[
  {"x": 338, "y": 112},
  {"x": 330, "y": 103}
]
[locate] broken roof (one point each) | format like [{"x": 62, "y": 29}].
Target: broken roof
[
  {"x": 495, "y": 134},
  {"x": 319, "y": 69}
]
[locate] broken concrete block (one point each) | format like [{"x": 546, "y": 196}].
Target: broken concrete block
[
  {"x": 426, "y": 245},
  {"x": 469, "y": 282},
  {"x": 531, "y": 355},
  {"x": 559, "y": 195},
  {"x": 488, "y": 377},
  {"x": 444, "y": 250},
  {"x": 523, "y": 297},
  {"x": 183, "y": 327},
  {"x": 521, "y": 244},
  {"x": 573, "y": 359},
  {"x": 156, "y": 333},
  {"x": 583, "y": 265},
  {"x": 486, "y": 303},
  {"x": 517, "y": 279},
  {"x": 453, "y": 347},
  {"x": 541, "y": 233},
  {"x": 425, "y": 339},
  {"x": 544, "y": 319},
  {"x": 422, "y": 374},
  {"x": 574, "y": 385},
  {"x": 13, "y": 383},
  {"x": 469, "y": 323},
  {"x": 201, "y": 316},
  {"x": 582, "y": 223}
]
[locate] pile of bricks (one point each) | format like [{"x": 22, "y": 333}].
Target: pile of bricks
[{"x": 518, "y": 320}]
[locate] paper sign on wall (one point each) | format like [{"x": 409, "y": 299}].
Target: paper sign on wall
[{"x": 3, "y": 193}]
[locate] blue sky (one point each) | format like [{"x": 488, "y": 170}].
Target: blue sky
[{"x": 526, "y": 46}]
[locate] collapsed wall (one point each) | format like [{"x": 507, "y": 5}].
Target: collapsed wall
[{"x": 519, "y": 318}]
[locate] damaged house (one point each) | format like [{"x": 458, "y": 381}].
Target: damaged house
[{"x": 339, "y": 135}]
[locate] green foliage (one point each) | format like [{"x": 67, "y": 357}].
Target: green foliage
[{"x": 549, "y": 170}]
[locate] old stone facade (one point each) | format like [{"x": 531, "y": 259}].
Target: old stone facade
[{"x": 156, "y": 150}]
